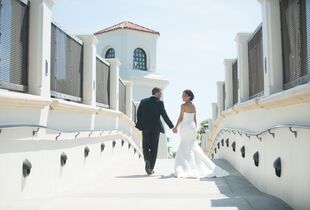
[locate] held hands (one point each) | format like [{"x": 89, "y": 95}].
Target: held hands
[{"x": 175, "y": 130}]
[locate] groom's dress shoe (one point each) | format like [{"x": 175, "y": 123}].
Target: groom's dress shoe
[
  {"x": 148, "y": 168},
  {"x": 149, "y": 171}
]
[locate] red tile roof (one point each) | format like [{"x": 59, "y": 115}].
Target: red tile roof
[{"x": 127, "y": 25}]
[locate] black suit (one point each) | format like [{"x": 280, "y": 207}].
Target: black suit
[{"x": 148, "y": 121}]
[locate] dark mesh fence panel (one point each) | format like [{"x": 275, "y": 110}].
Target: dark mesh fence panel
[
  {"x": 256, "y": 71},
  {"x": 13, "y": 45},
  {"x": 102, "y": 82},
  {"x": 235, "y": 82},
  {"x": 66, "y": 66},
  {"x": 122, "y": 97},
  {"x": 294, "y": 25}
]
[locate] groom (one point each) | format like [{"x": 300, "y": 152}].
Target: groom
[{"x": 148, "y": 121}]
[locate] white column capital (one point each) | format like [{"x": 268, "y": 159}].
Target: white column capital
[
  {"x": 262, "y": 1},
  {"x": 49, "y": 3},
  {"x": 128, "y": 83},
  {"x": 115, "y": 62},
  {"x": 242, "y": 37},
  {"x": 89, "y": 39},
  {"x": 220, "y": 83},
  {"x": 228, "y": 61}
]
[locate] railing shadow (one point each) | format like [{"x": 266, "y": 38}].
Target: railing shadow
[{"x": 240, "y": 193}]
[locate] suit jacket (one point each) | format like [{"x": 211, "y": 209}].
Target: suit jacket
[{"x": 148, "y": 115}]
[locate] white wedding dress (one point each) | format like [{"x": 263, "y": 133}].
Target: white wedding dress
[{"x": 190, "y": 161}]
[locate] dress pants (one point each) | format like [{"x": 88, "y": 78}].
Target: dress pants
[{"x": 150, "y": 146}]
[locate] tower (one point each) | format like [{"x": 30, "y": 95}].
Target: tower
[{"x": 136, "y": 48}]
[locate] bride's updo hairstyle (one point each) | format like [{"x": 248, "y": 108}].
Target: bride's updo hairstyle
[{"x": 189, "y": 93}]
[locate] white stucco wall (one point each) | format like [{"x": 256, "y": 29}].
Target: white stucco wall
[
  {"x": 71, "y": 127},
  {"x": 124, "y": 42}
]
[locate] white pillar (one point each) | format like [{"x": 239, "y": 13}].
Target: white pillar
[
  {"x": 89, "y": 69},
  {"x": 228, "y": 83},
  {"x": 210, "y": 122},
  {"x": 40, "y": 47},
  {"x": 243, "y": 65},
  {"x": 214, "y": 111},
  {"x": 129, "y": 86},
  {"x": 272, "y": 46},
  {"x": 204, "y": 141},
  {"x": 114, "y": 83},
  {"x": 220, "y": 97}
]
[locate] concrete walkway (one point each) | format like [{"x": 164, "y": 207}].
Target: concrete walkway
[{"x": 127, "y": 187}]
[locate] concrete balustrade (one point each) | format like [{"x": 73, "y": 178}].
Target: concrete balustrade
[
  {"x": 259, "y": 115},
  {"x": 48, "y": 175},
  {"x": 270, "y": 146},
  {"x": 74, "y": 127}
]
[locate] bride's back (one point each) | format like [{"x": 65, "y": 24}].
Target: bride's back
[{"x": 189, "y": 107}]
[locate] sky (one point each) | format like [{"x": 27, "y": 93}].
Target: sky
[{"x": 195, "y": 37}]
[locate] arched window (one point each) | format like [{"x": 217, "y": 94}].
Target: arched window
[
  {"x": 110, "y": 53},
  {"x": 139, "y": 59}
]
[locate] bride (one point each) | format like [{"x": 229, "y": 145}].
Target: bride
[{"x": 190, "y": 161}]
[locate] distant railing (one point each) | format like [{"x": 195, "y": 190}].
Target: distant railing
[
  {"x": 134, "y": 112},
  {"x": 14, "y": 24},
  {"x": 122, "y": 96},
  {"x": 295, "y": 47},
  {"x": 102, "y": 83},
  {"x": 235, "y": 81},
  {"x": 66, "y": 65},
  {"x": 256, "y": 70}
]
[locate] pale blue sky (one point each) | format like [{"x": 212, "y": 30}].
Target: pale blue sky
[{"x": 196, "y": 35}]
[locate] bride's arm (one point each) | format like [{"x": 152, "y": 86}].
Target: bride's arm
[
  {"x": 195, "y": 119},
  {"x": 179, "y": 120}
]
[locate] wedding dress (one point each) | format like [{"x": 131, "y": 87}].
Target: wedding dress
[{"x": 190, "y": 161}]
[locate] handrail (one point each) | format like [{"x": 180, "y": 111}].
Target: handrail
[
  {"x": 249, "y": 133},
  {"x": 66, "y": 131},
  {"x": 266, "y": 130}
]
